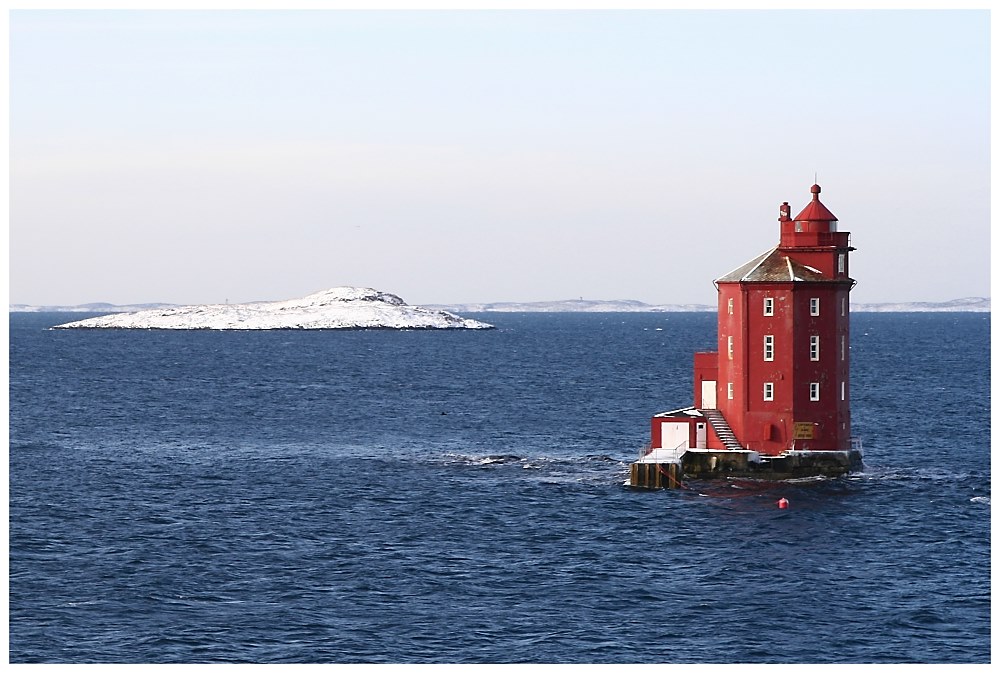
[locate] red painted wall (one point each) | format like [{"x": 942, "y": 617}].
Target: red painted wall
[
  {"x": 769, "y": 426},
  {"x": 706, "y": 368},
  {"x": 790, "y": 418}
]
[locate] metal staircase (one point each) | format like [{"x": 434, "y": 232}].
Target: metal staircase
[{"x": 722, "y": 429}]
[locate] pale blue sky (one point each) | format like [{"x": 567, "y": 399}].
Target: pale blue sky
[{"x": 447, "y": 156}]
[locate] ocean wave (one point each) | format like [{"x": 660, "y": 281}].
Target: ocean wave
[
  {"x": 597, "y": 469},
  {"x": 918, "y": 474}
]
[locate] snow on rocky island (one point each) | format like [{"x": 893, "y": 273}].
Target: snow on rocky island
[{"x": 336, "y": 308}]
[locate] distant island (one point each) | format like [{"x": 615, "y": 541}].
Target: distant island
[
  {"x": 336, "y": 308},
  {"x": 965, "y": 305}
]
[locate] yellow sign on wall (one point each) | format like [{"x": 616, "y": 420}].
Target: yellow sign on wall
[{"x": 802, "y": 431}]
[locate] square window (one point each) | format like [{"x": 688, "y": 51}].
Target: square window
[
  {"x": 768, "y": 305},
  {"x": 768, "y": 392}
]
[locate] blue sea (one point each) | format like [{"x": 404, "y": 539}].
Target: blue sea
[{"x": 458, "y": 497}]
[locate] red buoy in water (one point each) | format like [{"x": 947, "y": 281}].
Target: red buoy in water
[{"x": 782, "y": 504}]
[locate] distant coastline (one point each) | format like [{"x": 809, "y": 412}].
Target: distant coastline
[{"x": 964, "y": 305}]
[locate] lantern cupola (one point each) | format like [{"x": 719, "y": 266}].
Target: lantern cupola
[
  {"x": 811, "y": 237},
  {"x": 807, "y": 229}
]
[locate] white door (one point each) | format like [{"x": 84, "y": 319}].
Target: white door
[
  {"x": 675, "y": 435},
  {"x": 700, "y": 436},
  {"x": 708, "y": 394}
]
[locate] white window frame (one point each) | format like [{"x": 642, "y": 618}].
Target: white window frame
[
  {"x": 729, "y": 390},
  {"x": 841, "y": 262},
  {"x": 768, "y": 391},
  {"x": 814, "y": 306},
  {"x": 768, "y": 348},
  {"x": 843, "y": 347},
  {"x": 730, "y": 306},
  {"x": 729, "y": 346},
  {"x": 814, "y": 391},
  {"x": 843, "y": 306},
  {"x": 814, "y": 348},
  {"x": 768, "y": 305},
  {"x": 843, "y": 390}
]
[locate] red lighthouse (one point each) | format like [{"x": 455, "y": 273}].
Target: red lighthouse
[{"x": 774, "y": 400}]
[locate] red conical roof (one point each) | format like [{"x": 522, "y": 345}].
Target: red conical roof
[{"x": 816, "y": 211}]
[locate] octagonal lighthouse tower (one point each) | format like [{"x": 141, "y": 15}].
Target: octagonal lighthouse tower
[{"x": 773, "y": 401}]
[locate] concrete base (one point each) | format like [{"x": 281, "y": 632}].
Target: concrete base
[{"x": 715, "y": 464}]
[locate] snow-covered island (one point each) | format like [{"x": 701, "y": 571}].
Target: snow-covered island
[{"x": 336, "y": 308}]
